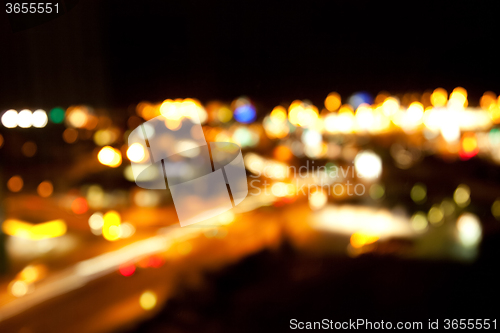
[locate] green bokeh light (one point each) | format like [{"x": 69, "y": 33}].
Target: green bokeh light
[{"x": 56, "y": 115}]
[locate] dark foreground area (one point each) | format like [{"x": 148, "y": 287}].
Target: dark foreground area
[{"x": 265, "y": 291}]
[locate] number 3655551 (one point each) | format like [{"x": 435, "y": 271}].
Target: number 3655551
[{"x": 25, "y": 8}]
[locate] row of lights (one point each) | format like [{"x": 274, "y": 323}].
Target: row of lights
[{"x": 24, "y": 119}]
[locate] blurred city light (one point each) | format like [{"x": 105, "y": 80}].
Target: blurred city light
[
  {"x": 39, "y": 118},
  {"x": 333, "y": 101},
  {"x": 45, "y": 189},
  {"x": 136, "y": 152},
  {"x": 31, "y": 231},
  {"x": 56, "y": 115},
  {"x": 368, "y": 164},
  {"x": 110, "y": 156},
  {"x": 360, "y": 239},
  {"x": 111, "y": 226},
  {"x": 10, "y": 118},
  {"x": 25, "y": 119},
  {"x": 418, "y": 193},
  {"x": 462, "y": 195},
  {"x": 147, "y": 300},
  {"x": 469, "y": 229},
  {"x": 15, "y": 184}
]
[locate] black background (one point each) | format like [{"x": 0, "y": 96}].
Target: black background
[{"x": 115, "y": 53}]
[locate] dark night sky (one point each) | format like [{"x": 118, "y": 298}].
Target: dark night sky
[{"x": 117, "y": 52}]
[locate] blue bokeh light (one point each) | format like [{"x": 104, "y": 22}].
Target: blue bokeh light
[
  {"x": 245, "y": 113},
  {"x": 359, "y": 98}
]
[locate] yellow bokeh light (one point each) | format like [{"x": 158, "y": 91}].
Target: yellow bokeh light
[
  {"x": 173, "y": 124},
  {"x": 110, "y": 156},
  {"x": 32, "y": 273},
  {"x": 487, "y": 100},
  {"x": 19, "y": 288},
  {"x": 418, "y": 193},
  {"x": 390, "y": 106},
  {"x": 224, "y": 114},
  {"x": 333, "y": 101},
  {"x": 419, "y": 221},
  {"x": 147, "y": 110},
  {"x": 105, "y": 137},
  {"x": 344, "y": 121},
  {"x": 278, "y": 115},
  {"x": 136, "y": 152},
  {"x": 360, "y": 239},
  {"x": 364, "y": 117},
  {"x": 439, "y": 97},
  {"x": 307, "y": 116},
  {"x": 413, "y": 116},
  {"x": 494, "y": 112},
  {"x": 29, "y": 274},
  {"x": 462, "y": 195},
  {"x": 148, "y": 300},
  {"x": 170, "y": 109},
  {"x": 317, "y": 200},
  {"x": 469, "y": 143},
  {"x": 435, "y": 215},
  {"x": 31, "y": 231},
  {"x": 111, "y": 225},
  {"x": 293, "y": 112},
  {"x": 458, "y": 97},
  {"x": 495, "y": 209}
]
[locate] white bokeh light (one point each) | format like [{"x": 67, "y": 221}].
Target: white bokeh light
[
  {"x": 368, "y": 164},
  {"x": 9, "y": 118},
  {"x": 25, "y": 119},
  {"x": 39, "y": 118}
]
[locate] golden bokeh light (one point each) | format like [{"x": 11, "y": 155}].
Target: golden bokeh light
[
  {"x": 333, "y": 101},
  {"x": 390, "y": 106},
  {"x": 439, "y": 97},
  {"x": 148, "y": 300},
  {"x": 110, "y": 156},
  {"x": 278, "y": 115},
  {"x": 15, "y": 184},
  {"x": 462, "y": 195},
  {"x": 360, "y": 239},
  {"x": 487, "y": 100},
  {"x": 26, "y": 230},
  {"x": 45, "y": 189},
  {"x": 77, "y": 116}
]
